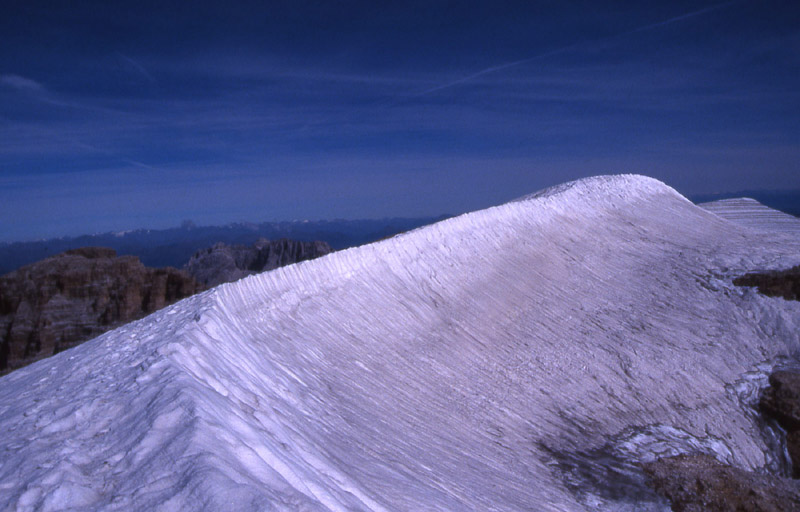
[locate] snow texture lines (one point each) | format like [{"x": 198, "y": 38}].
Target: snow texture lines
[{"x": 480, "y": 363}]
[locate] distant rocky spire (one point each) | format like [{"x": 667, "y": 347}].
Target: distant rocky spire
[{"x": 224, "y": 263}]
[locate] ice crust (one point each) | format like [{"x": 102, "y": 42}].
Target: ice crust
[{"x": 505, "y": 359}]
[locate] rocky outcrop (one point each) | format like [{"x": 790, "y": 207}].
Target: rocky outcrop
[
  {"x": 701, "y": 483},
  {"x": 781, "y": 401},
  {"x": 224, "y": 263},
  {"x": 698, "y": 483},
  {"x": 64, "y": 300},
  {"x": 783, "y": 283}
]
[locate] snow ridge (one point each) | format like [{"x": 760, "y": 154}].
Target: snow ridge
[
  {"x": 483, "y": 362},
  {"x": 749, "y": 212}
]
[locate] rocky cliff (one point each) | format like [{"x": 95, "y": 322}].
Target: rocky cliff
[
  {"x": 64, "y": 300},
  {"x": 224, "y": 263}
]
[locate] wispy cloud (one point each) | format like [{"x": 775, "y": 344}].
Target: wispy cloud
[
  {"x": 685, "y": 16},
  {"x": 136, "y": 67},
  {"x": 21, "y": 83},
  {"x": 570, "y": 47}
]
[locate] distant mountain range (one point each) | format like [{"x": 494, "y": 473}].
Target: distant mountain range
[{"x": 173, "y": 247}]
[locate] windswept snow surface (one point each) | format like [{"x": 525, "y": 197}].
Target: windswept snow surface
[
  {"x": 751, "y": 213},
  {"x": 523, "y": 357}
]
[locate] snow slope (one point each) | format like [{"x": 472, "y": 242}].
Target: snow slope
[
  {"x": 751, "y": 213},
  {"x": 523, "y": 357}
]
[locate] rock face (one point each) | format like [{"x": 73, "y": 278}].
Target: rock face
[
  {"x": 781, "y": 400},
  {"x": 783, "y": 283},
  {"x": 700, "y": 482},
  {"x": 224, "y": 263},
  {"x": 697, "y": 483},
  {"x": 64, "y": 300}
]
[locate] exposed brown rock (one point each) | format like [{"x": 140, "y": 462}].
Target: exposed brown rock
[
  {"x": 781, "y": 400},
  {"x": 698, "y": 483},
  {"x": 793, "y": 447},
  {"x": 783, "y": 283},
  {"x": 64, "y": 300}
]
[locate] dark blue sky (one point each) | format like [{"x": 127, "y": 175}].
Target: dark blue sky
[{"x": 123, "y": 115}]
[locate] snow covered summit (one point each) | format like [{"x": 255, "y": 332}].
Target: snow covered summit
[{"x": 523, "y": 357}]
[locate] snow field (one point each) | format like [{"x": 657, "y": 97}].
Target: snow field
[{"x": 475, "y": 364}]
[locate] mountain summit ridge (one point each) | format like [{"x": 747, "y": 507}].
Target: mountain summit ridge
[{"x": 491, "y": 360}]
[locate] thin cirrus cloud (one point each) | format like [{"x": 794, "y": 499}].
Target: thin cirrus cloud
[
  {"x": 246, "y": 125},
  {"x": 136, "y": 67},
  {"x": 497, "y": 68},
  {"x": 20, "y": 83}
]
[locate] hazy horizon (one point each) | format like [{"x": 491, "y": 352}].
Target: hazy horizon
[
  {"x": 191, "y": 224},
  {"x": 776, "y": 199}
]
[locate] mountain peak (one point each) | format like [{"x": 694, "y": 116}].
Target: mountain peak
[{"x": 504, "y": 359}]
